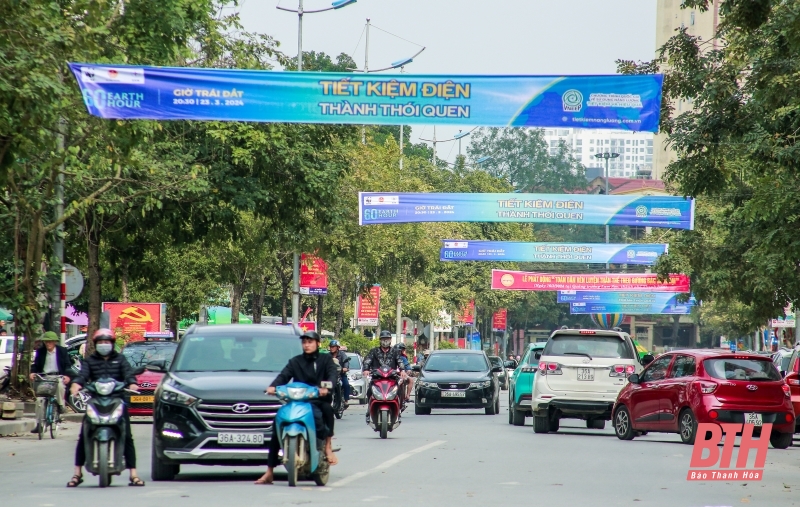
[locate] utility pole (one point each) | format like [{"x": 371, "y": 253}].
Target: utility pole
[
  {"x": 401, "y": 134},
  {"x": 399, "y": 323},
  {"x": 434, "y": 145},
  {"x": 366, "y": 71},
  {"x": 295, "y": 255}
]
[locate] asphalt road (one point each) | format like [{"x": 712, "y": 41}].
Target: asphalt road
[{"x": 451, "y": 458}]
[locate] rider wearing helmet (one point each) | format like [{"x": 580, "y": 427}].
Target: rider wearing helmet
[
  {"x": 310, "y": 368},
  {"x": 106, "y": 363},
  {"x": 381, "y": 356},
  {"x": 401, "y": 348},
  {"x": 337, "y": 353}
]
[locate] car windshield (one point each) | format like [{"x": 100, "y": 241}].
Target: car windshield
[
  {"x": 588, "y": 345},
  {"x": 530, "y": 359},
  {"x": 355, "y": 363},
  {"x": 456, "y": 362},
  {"x": 239, "y": 352},
  {"x": 741, "y": 369},
  {"x": 141, "y": 354}
]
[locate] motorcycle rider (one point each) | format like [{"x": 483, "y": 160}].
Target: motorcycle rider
[
  {"x": 52, "y": 359},
  {"x": 337, "y": 353},
  {"x": 106, "y": 363},
  {"x": 310, "y": 368},
  {"x": 384, "y": 355},
  {"x": 401, "y": 347}
]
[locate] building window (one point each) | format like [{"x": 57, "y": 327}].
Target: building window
[
  {"x": 591, "y": 141},
  {"x": 691, "y": 18},
  {"x": 607, "y": 141},
  {"x": 563, "y": 132},
  {"x": 650, "y": 142},
  {"x": 579, "y": 142},
  {"x": 591, "y": 150}
]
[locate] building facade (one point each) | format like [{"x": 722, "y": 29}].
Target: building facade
[{"x": 635, "y": 149}]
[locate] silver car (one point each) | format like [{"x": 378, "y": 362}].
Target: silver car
[{"x": 358, "y": 385}]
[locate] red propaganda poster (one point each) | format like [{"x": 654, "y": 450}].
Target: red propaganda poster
[
  {"x": 308, "y": 326},
  {"x": 313, "y": 276},
  {"x": 467, "y": 316},
  {"x": 134, "y": 319},
  {"x": 369, "y": 307},
  {"x": 499, "y": 319},
  {"x": 521, "y": 280}
]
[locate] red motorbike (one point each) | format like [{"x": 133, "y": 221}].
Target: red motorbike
[{"x": 384, "y": 404}]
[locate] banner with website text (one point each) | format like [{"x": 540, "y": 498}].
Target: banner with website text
[
  {"x": 623, "y": 102},
  {"x": 586, "y": 253},
  {"x": 586, "y": 296},
  {"x": 522, "y": 280},
  {"x": 631, "y": 303},
  {"x": 635, "y": 210}
]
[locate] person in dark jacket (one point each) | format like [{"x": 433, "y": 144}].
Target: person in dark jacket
[
  {"x": 106, "y": 363},
  {"x": 310, "y": 368},
  {"x": 385, "y": 355},
  {"x": 340, "y": 355},
  {"x": 52, "y": 359}
]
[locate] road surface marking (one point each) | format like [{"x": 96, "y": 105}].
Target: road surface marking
[{"x": 386, "y": 464}]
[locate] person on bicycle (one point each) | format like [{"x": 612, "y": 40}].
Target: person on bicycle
[
  {"x": 106, "y": 363},
  {"x": 310, "y": 368},
  {"x": 52, "y": 359},
  {"x": 384, "y": 355},
  {"x": 340, "y": 355}
]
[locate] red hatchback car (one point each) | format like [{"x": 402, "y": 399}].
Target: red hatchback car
[
  {"x": 793, "y": 379},
  {"x": 155, "y": 353},
  {"x": 683, "y": 388}
]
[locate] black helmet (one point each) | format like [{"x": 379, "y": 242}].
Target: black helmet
[
  {"x": 401, "y": 346},
  {"x": 311, "y": 334},
  {"x": 385, "y": 334}
]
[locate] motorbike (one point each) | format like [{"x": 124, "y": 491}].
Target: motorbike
[
  {"x": 104, "y": 429},
  {"x": 338, "y": 393},
  {"x": 5, "y": 379},
  {"x": 303, "y": 454},
  {"x": 384, "y": 404}
]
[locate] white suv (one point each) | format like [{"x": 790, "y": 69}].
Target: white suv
[{"x": 580, "y": 374}]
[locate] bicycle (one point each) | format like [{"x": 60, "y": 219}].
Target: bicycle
[{"x": 46, "y": 389}]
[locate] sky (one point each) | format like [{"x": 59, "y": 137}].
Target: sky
[{"x": 536, "y": 37}]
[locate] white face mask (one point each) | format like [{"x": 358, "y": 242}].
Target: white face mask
[{"x": 104, "y": 349}]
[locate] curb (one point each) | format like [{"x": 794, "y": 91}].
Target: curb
[{"x": 16, "y": 426}]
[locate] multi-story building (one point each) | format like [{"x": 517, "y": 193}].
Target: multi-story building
[
  {"x": 635, "y": 149},
  {"x": 669, "y": 18}
]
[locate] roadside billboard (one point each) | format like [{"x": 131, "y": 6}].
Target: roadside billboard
[
  {"x": 499, "y": 319},
  {"x": 313, "y": 276},
  {"x": 517, "y": 251},
  {"x": 369, "y": 307},
  {"x": 135, "y": 319},
  {"x": 619, "y": 102}
]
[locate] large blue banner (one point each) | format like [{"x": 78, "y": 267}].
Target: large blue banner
[
  {"x": 638, "y": 210},
  {"x": 586, "y": 253},
  {"x": 176, "y": 93},
  {"x": 631, "y": 303}
]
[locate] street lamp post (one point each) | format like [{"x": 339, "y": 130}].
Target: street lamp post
[
  {"x": 337, "y": 4},
  {"x": 606, "y": 156}
]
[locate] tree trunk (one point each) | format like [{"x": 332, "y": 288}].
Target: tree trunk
[
  {"x": 125, "y": 296},
  {"x": 676, "y": 327},
  {"x": 319, "y": 314},
  {"x": 340, "y": 313},
  {"x": 236, "y": 302},
  {"x": 95, "y": 278},
  {"x": 284, "y": 299},
  {"x": 173, "y": 320},
  {"x": 258, "y": 301}
]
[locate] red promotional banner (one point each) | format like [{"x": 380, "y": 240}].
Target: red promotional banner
[
  {"x": 134, "y": 319},
  {"x": 313, "y": 275},
  {"x": 369, "y": 307},
  {"x": 521, "y": 280},
  {"x": 308, "y": 326},
  {"x": 499, "y": 319},
  {"x": 467, "y": 316}
]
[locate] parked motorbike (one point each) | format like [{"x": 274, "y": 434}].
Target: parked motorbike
[
  {"x": 384, "y": 404},
  {"x": 303, "y": 454},
  {"x": 5, "y": 379},
  {"x": 104, "y": 429}
]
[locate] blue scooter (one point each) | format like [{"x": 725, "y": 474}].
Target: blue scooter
[{"x": 303, "y": 454}]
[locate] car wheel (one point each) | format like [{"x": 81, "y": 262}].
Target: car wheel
[
  {"x": 160, "y": 471},
  {"x": 492, "y": 409},
  {"x": 687, "y": 425},
  {"x": 595, "y": 424},
  {"x": 780, "y": 440},
  {"x": 497, "y": 405},
  {"x": 518, "y": 418},
  {"x": 510, "y": 413},
  {"x": 555, "y": 423},
  {"x": 623, "y": 426},
  {"x": 421, "y": 410},
  {"x": 541, "y": 424}
]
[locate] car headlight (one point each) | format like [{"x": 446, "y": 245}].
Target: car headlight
[
  {"x": 392, "y": 394},
  {"x": 431, "y": 385},
  {"x": 481, "y": 385},
  {"x": 170, "y": 394},
  {"x": 356, "y": 376},
  {"x": 377, "y": 393}
]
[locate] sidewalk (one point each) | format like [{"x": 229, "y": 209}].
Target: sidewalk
[{"x": 9, "y": 427}]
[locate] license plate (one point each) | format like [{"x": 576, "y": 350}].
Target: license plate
[
  {"x": 454, "y": 394},
  {"x": 240, "y": 438},
  {"x": 585, "y": 373},
  {"x": 141, "y": 399},
  {"x": 755, "y": 419}
]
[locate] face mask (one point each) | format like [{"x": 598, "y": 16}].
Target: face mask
[
  {"x": 104, "y": 349},
  {"x": 386, "y": 343}
]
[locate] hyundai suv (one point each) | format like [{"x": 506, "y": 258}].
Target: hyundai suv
[
  {"x": 210, "y": 407},
  {"x": 580, "y": 373}
]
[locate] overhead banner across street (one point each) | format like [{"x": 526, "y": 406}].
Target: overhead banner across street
[
  {"x": 522, "y": 280},
  {"x": 672, "y": 307},
  {"x": 622, "y": 102},
  {"x": 581, "y": 296},
  {"x": 591, "y": 253},
  {"x": 635, "y": 210}
]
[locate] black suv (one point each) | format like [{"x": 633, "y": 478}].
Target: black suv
[{"x": 210, "y": 408}]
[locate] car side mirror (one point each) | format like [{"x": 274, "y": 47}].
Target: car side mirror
[
  {"x": 159, "y": 365},
  {"x": 497, "y": 369},
  {"x": 416, "y": 367},
  {"x": 647, "y": 359},
  {"x": 537, "y": 354},
  {"x": 633, "y": 378},
  {"x": 138, "y": 371},
  {"x": 510, "y": 364}
]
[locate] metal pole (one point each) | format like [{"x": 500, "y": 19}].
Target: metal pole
[
  {"x": 607, "y": 157},
  {"x": 399, "y": 323},
  {"x": 434, "y": 145},
  {"x": 300, "y": 36},
  {"x": 401, "y": 132},
  {"x": 295, "y": 256},
  {"x": 366, "y": 71},
  {"x": 58, "y": 311}
]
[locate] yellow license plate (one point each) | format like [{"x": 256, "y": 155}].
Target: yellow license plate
[{"x": 141, "y": 399}]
